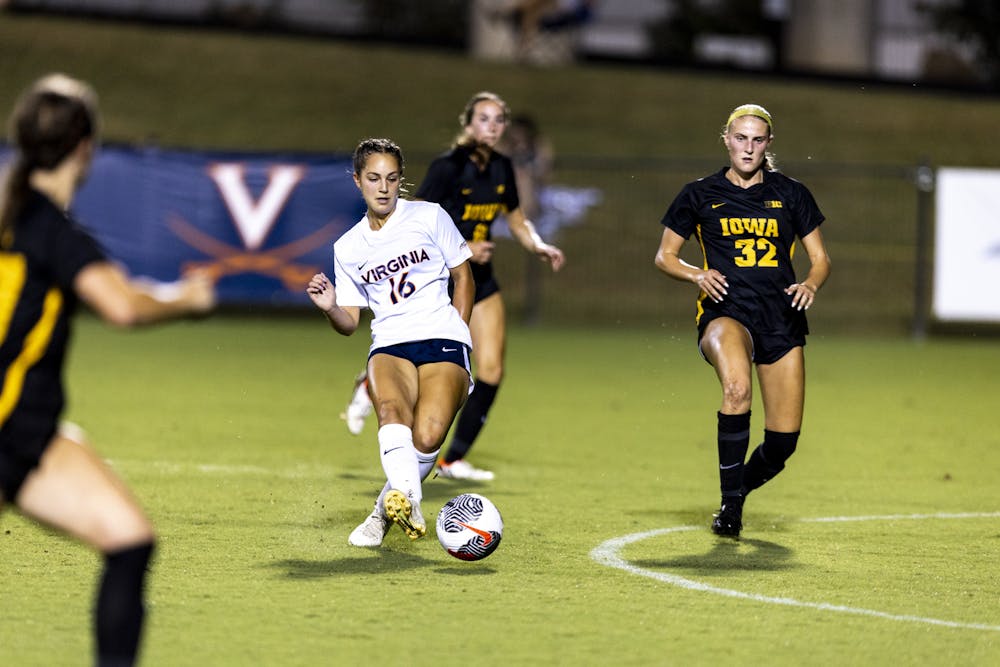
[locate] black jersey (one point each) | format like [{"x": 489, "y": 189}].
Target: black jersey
[
  {"x": 748, "y": 235},
  {"x": 471, "y": 196},
  {"x": 36, "y": 303}
]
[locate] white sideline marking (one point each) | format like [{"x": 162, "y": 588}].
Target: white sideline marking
[{"x": 607, "y": 554}]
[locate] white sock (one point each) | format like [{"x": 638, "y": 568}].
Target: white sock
[
  {"x": 427, "y": 462},
  {"x": 399, "y": 459},
  {"x": 381, "y": 497}
]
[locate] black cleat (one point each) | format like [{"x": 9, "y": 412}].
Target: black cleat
[{"x": 728, "y": 521}]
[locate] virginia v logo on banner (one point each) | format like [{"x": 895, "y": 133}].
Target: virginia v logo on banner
[
  {"x": 262, "y": 224},
  {"x": 254, "y": 219}
]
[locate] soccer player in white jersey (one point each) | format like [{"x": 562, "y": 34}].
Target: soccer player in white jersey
[{"x": 397, "y": 261}]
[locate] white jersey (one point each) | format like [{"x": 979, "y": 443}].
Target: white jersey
[{"x": 400, "y": 272}]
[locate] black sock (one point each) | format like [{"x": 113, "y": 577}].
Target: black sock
[
  {"x": 120, "y": 610},
  {"x": 768, "y": 459},
  {"x": 734, "y": 439},
  {"x": 471, "y": 421}
]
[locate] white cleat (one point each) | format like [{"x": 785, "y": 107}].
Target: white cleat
[
  {"x": 360, "y": 406},
  {"x": 462, "y": 469},
  {"x": 372, "y": 531}
]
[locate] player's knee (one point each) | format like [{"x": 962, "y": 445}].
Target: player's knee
[
  {"x": 490, "y": 373},
  {"x": 736, "y": 395},
  {"x": 146, "y": 545},
  {"x": 122, "y": 529},
  {"x": 427, "y": 445},
  {"x": 428, "y": 436},
  {"x": 392, "y": 411}
]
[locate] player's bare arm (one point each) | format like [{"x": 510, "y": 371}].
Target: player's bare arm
[
  {"x": 125, "y": 302},
  {"x": 668, "y": 260},
  {"x": 344, "y": 319},
  {"x": 525, "y": 233},
  {"x": 482, "y": 251},
  {"x": 464, "y": 293},
  {"x": 804, "y": 293}
]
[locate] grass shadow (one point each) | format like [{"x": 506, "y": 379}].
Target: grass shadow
[
  {"x": 376, "y": 561},
  {"x": 728, "y": 555},
  {"x": 469, "y": 570}
]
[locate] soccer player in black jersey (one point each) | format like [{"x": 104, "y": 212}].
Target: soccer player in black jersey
[
  {"x": 475, "y": 185},
  {"x": 750, "y": 308},
  {"x": 48, "y": 264}
]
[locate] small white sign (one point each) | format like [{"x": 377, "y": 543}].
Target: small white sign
[{"x": 967, "y": 245}]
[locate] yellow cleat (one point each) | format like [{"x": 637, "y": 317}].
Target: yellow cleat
[{"x": 405, "y": 514}]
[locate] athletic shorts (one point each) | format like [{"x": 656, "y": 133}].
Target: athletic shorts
[
  {"x": 767, "y": 348},
  {"x": 485, "y": 289},
  {"x": 486, "y": 282},
  {"x": 20, "y": 453},
  {"x": 430, "y": 351}
]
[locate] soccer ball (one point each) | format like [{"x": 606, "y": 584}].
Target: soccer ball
[{"x": 469, "y": 527}]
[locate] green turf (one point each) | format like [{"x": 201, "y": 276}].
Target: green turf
[{"x": 227, "y": 430}]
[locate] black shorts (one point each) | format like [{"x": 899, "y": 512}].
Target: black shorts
[
  {"x": 485, "y": 289},
  {"x": 429, "y": 352},
  {"x": 486, "y": 282},
  {"x": 768, "y": 347},
  {"x": 20, "y": 453},
  {"x": 485, "y": 286}
]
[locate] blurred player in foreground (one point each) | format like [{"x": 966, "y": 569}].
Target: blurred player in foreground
[
  {"x": 475, "y": 184},
  {"x": 751, "y": 309},
  {"x": 397, "y": 261},
  {"x": 48, "y": 263}
]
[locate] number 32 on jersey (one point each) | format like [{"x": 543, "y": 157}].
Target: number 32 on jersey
[{"x": 757, "y": 251}]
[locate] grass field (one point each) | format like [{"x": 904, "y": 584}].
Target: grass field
[{"x": 876, "y": 546}]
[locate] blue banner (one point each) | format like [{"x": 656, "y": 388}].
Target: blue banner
[{"x": 262, "y": 223}]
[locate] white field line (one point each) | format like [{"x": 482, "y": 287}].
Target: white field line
[{"x": 607, "y": 553}]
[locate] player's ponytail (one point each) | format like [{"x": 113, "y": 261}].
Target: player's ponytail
[
  {"x": 15, "y": 190},
  {"x": 47, "y": 124}
]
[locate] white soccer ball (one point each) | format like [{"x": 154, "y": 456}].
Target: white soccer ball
[{"x": 469, "y": 527}]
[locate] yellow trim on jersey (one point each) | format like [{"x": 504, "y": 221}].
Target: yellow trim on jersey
[
  {"x": 35, "y": 344},
  {"x": 13, "y": 271},
  {"x": 704, "y": 264}
]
